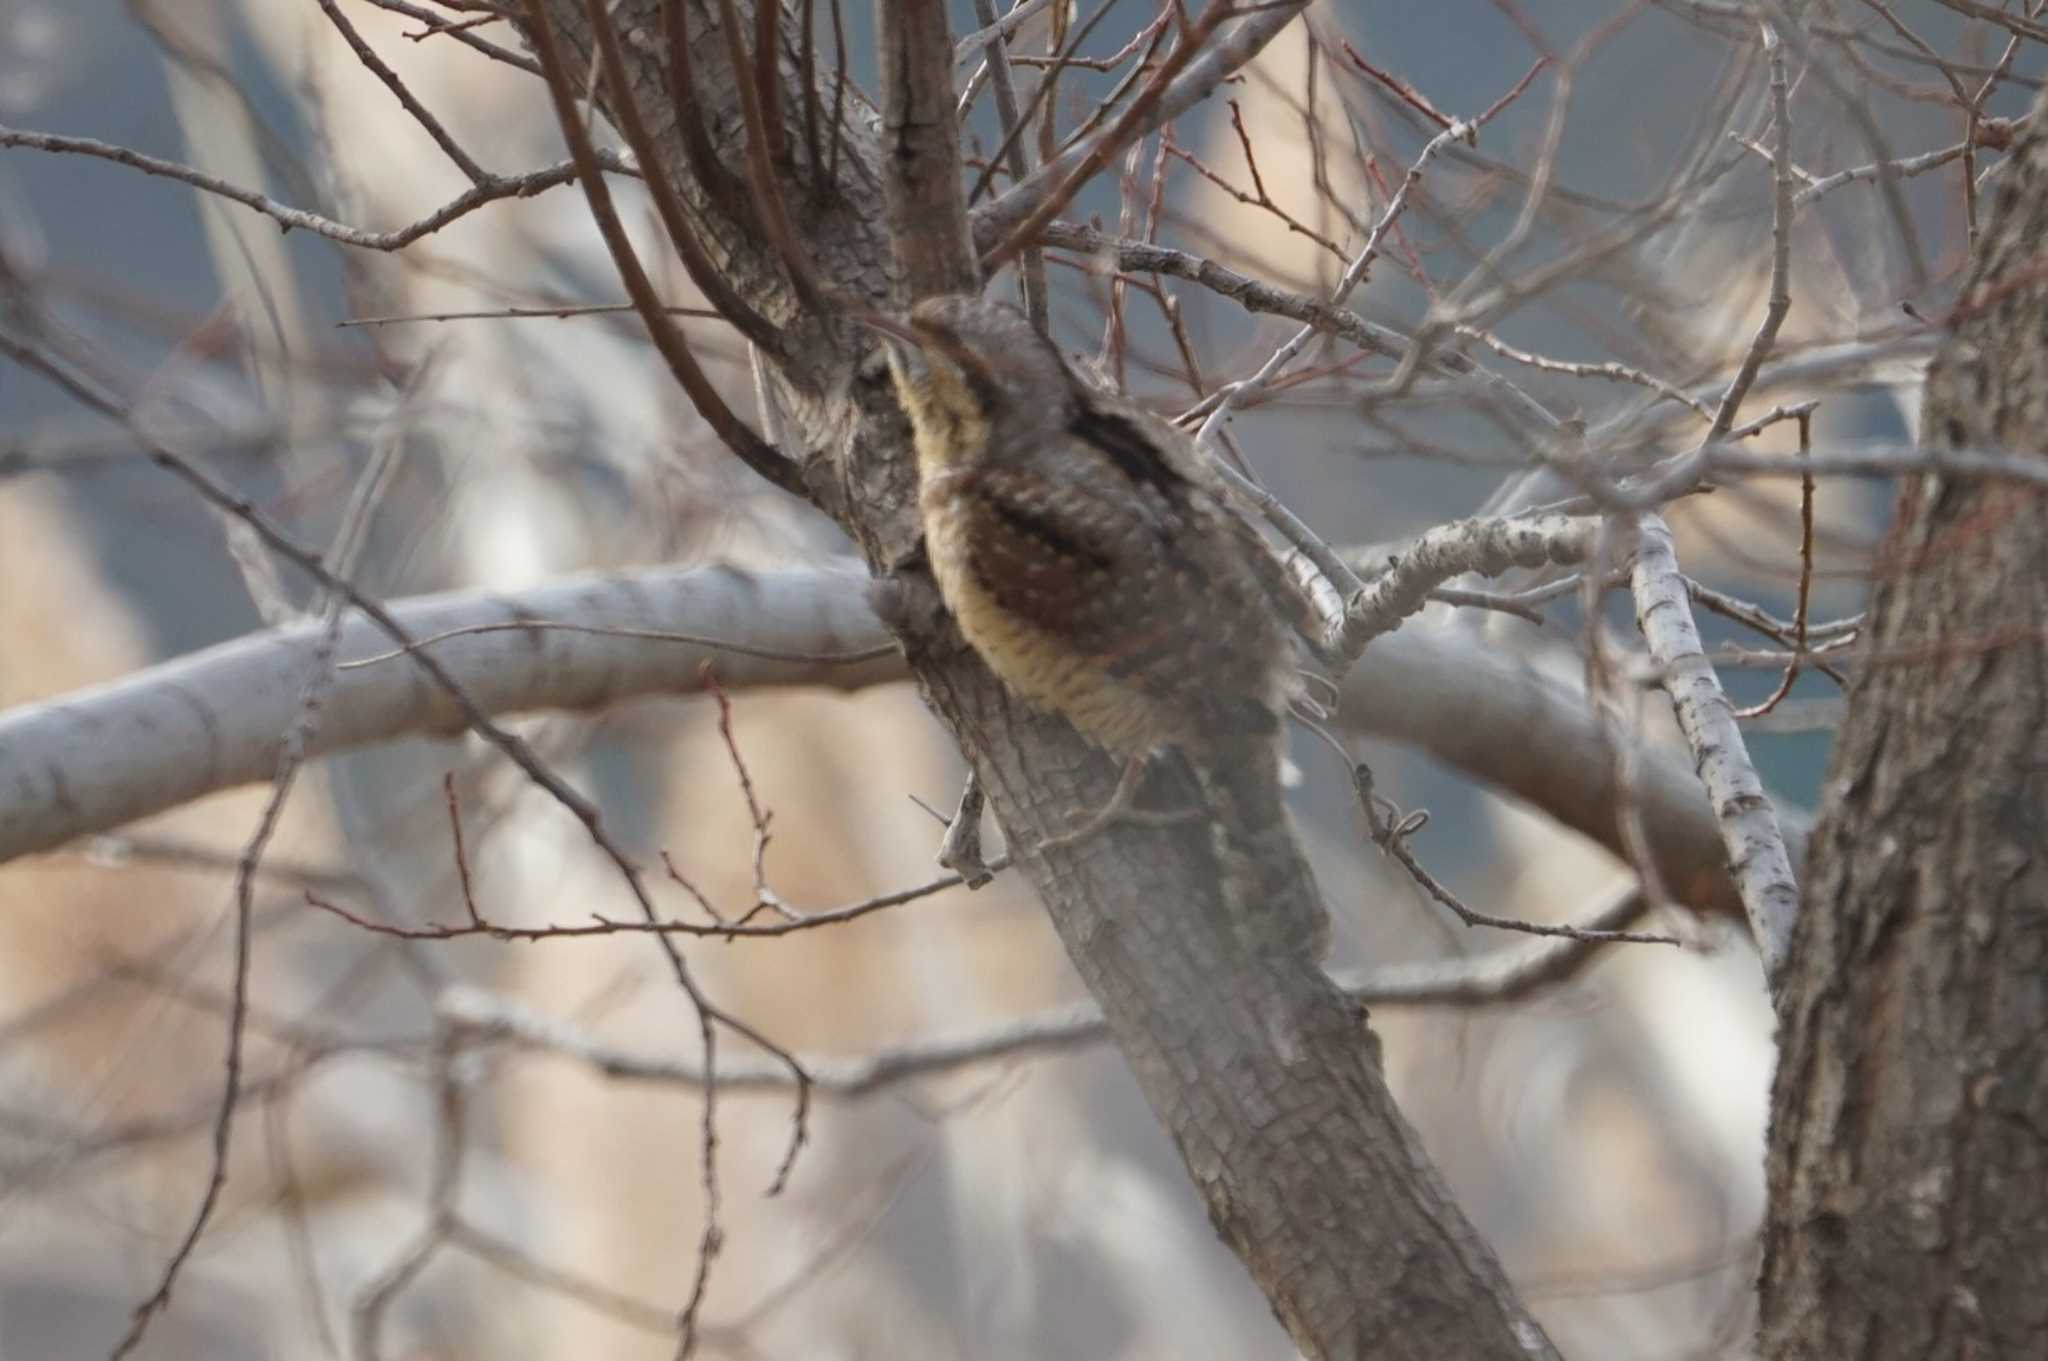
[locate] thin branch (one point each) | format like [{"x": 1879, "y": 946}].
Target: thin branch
[
  {"x": 682, "y": 235},
  {"x": 1032, "y": 264},
  {"x": 1780, "y": 301},
  {"x": 1784, "y": 688},
  {"x": 1610, "y": 370},
  {"x": 1235, "y": 394},
  {"x": 349, "y": 536},
  {"x": 976, "y": 43},
  {"x": 561, "y": 313},
  {"x": 443, "y": 1191},
  {"x": 792, "y": 923},
  {"x": 1390, "y": 831},
  {"x": 1905, "y": 167},
  {"x": 538, "y": 626},
  {"x": 375, "y": 64},
  {"x": 433, "y": 25},
  {"x": 1786, "y": 28},
  {"x": 1493, "y": 976},
  {"x": 668, "y": 338},
  {"x": 1021, "y": 211},
  {"x": 1137, "y": 118},
  {"x": 491, "y": 190},
  {"x": 1144, "y": 257},
  {"x": 2018, "y": 25}
]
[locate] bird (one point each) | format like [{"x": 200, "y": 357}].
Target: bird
[{"x": 1090, "y": 556}]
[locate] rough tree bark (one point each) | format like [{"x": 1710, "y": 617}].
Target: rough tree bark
[
  {"x": 1909, "y": 1140},
  {"x": 1263, "y": 1073}
]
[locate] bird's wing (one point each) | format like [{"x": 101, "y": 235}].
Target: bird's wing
[
  {"x": 1139, "y": 583},
  {"x": 1054, "y": 554}
]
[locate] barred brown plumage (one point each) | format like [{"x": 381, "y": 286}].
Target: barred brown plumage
[{"x": 1089, "y": 556}]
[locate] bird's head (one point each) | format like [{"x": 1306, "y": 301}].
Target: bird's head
[{"x": 961, "y": 364}]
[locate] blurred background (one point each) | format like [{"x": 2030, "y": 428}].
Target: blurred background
[{"x": 1605, "y": 1135}]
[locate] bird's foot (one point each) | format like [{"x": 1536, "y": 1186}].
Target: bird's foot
[{"x": 1119, "y": 809}]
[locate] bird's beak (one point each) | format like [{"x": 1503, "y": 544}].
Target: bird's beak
[{"x": 903, "y": 345}]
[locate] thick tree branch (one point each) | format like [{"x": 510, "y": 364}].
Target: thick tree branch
[
  {"x": 93, "y": 760},
  {"x": 214, "y": 719},
  {"x": 1749, "y": 825}
]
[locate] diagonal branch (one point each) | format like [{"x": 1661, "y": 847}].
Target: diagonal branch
[
  {"x": 710, "y": 282},
  {"x": 668, "y": 337},
  {"x": 490, "y": 190},
  {"x": 1217, "y": 61},
  {"x": 1757, "y": 857}
]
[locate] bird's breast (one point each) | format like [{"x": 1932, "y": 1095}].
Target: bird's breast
[{"x": 1036, "y": 663}]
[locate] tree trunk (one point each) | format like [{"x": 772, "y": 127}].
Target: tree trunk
[
  {"x": 1264, "y": 1073},
  {"x": 1909, "y": 1140}
]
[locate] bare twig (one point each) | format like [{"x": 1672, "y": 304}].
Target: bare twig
[
  {"x": 1494, "y": 976},
  {"x": 793, "y": 921},
  {"x": 1390, "y": 832},
  {"x": 697, "y": 262},
  {"x": 1032, "y": 262},
  {"x": 1004, "y": 226},
  {"x": 1258, "y": 297},
  {"x": 443, "y": 1191},
  {"x": 1784, "y": 687},
  {"x": 492, "y": 189},
  {"x": 668, "y": 338},
  {"x": 1235, "y": 394},
  {"x": 375, "y": 64},
  {"x": 772, "y": 654},
  {"x": 976, "y": 43},
  {"x": 340, "y": 560},
  {"x": 1780, "y": 301},
  {"x": 527, "y": 313},
  {"x": 433, "y": 25}
]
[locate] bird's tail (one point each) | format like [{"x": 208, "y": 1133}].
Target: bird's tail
[{"x": 1267, "y": 885}]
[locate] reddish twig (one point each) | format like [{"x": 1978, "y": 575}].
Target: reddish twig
[
  {"x": 668, "y": 338},
  {"x": 1110, "y": 142},
  {"x": 1258, "y": 198},
  {"x": 765, "y": 898},
  {"x": 494, "y": 188},
  {"x": 1390, "y": 831},
  {"x": 761, "y": 115},
  {"x": 461, "y": 855},
  {"x": 1407, "y": 93},
  {"x": 720, "y": 928},
  {"x": 668, "y": 204},
  {"x": 1805, "y": 580}
]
